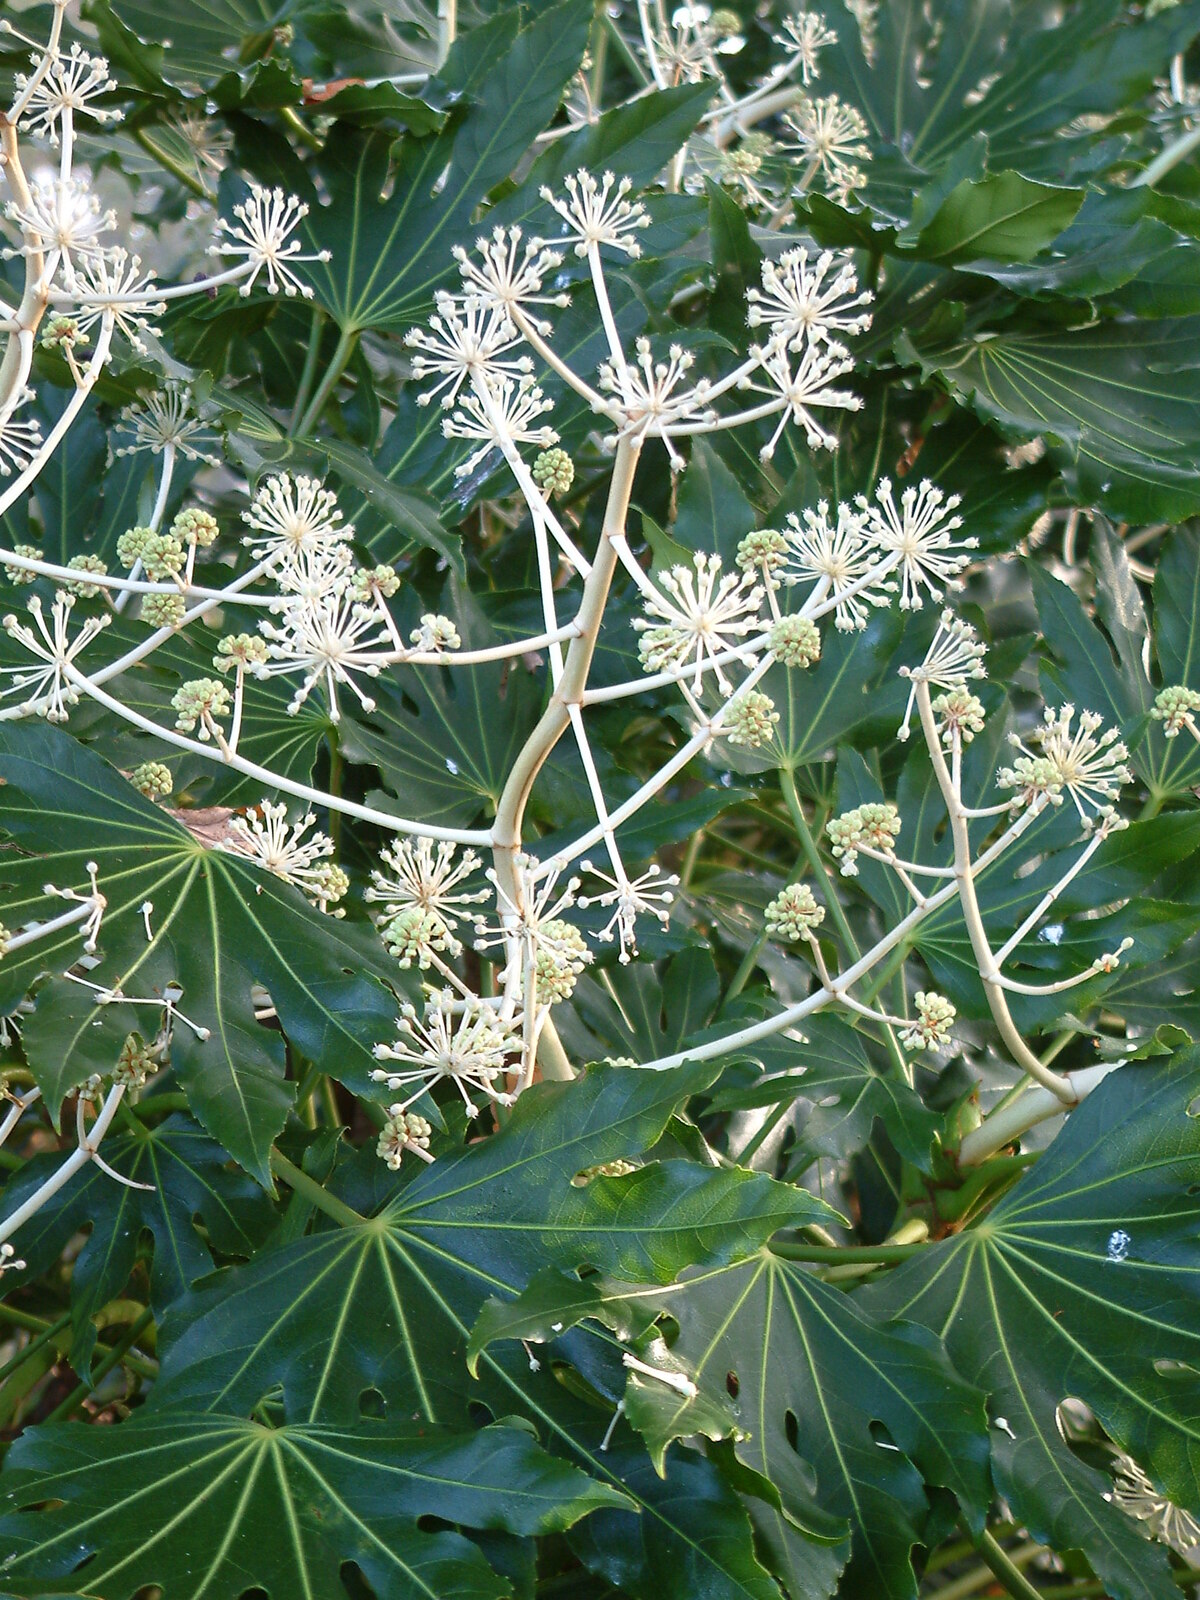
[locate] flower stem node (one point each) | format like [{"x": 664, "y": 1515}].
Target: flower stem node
[
  {"x": 794, "y": 913},
  {"x": 795, "y": 641}
]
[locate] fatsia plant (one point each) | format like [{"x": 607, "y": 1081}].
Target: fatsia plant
[{"x": 599, "y": 740}]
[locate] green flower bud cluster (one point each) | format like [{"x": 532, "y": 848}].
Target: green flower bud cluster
[
  {"x": 404, "y": 1130},
  {"x": 370, "y": 581},
  {"x": 413, "y": 934},
  {"x": 794, "y": 913},
  {"x": 764, "y": 551},
  {"x": 960, "y": 712},
  {"x": 796, "y": 641},
  {"x": 203, "y": 701},
  {"x": 244, "y": 650},
  {"x": 1175, "y": 707},
  {"x": 62, "y": 332},
  {"x": 23, "y": 574},
  {"x": 135, "y": 1065},
  {"x": 152, "y": 779},
  {"x": 554, "y": 471},
  {"x": 86, "y": 564},
  {"x": 163, "y": 610},
  {"x": 932, "y": 1024},
  {"x": 875, "y": 824},
  {"x": 560, "y": 957},
  {"x": 751, "y": 719},
  {"x": 195, "y": 526}
]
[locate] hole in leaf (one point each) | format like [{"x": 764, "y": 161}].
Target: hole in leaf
[
  {"x": 791, "y": 1428},
  {"x": 372, "y": 1404},
  {"x": 1193, "y": 1108},
  {"x": 732, "y": 1385}
]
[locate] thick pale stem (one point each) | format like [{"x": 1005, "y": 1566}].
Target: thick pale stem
[{"x": 1008, "y": 1122}]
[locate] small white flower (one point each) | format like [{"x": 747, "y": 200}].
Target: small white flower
[
  {"x": 954, "y": 657},
  {"x": 465, "y": 341},
  {"x": 651, "y": 397},
  {"x": 502, "y": 411},
  {"x": 802, "y": 300},
  {"x": 650, "y": 894},
  {"x": 687, "y": 51},
  {"x": 805, "y": 36},
  {"x": 164, "y": 417},
  {"x": 920, "y": 533},
  {"x": 53, "y": 646},
  {"x": 266, "y": 837},
  {"x": 331, "y": 640},
  {"x": 471, "y": 1049},
  {"x": 8, "y": 1259},
  {"x": 426, "y": 877},
  {"x": 62, "y": 222},
  {"x": 599, "y": 213},
  {"x": 507, "y": 277},
  {"x": 804, "y": 383},
  {"x": 107, "y": 285},
  {"x": 1089, "y": 764},
  {"x": 294, "y": 515},
  {"x": 259, "y": 232},
  {"x": 71, "y": 83},
  {"x": 832, "y": 137},
  {"x": 838, "y": 559},
  {"x": 699, "y": 615}
]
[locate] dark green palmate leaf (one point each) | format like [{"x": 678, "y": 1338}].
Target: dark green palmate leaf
[
  {"x": 195, "y": 1503},
  {"x": 389, "y": 255},
  {"x": 219, "y": 925},
  {"x": 1084, "y": 1282},
  {"x": 191, "y": 1178},
  {"x": 846, "y": 1415},
  {"x": 387, "y": 1304}
]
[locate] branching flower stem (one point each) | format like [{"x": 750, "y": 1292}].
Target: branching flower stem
[{"x": 965, "y": 870}]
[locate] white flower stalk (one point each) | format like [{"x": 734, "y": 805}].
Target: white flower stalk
[
  {"x": 832, "y": 138},
  {"x": 266, "y": 837},
  {"x": 427, "y": 879},
  {"x": 259, "y": 233},
  {"x": 49, "y": 687},
  {"x": 501, "y": 412},
  {"x": 71, "y": 83},
  {"x": 294, "y": 516},
  {"x": 699, "y": 615},
  {"x": 471, "y": 1047},
  {"x": 804, "y": 36},
  {"x": 839, "y": 561},
  {"x": 649, "y": 895},
  {"x": 954, "y": 658},
  {"x": 332, "y": 641},
  {"x": 802, "y": 385},
  {"x": 1085, "y": 760},
  {"x": 114, "y": 284},
  {"x": 509, "y": 276},
  {"x": 63, "y": 222},
  {"x": 164, "y": 420},
  {"x": 920, "y": 532},
  {"x": 650, "y": 397},
  {"x": 465, "y": 342},
  {"x": 598, "y": 214},
  {"x": 808, "y": 300}
]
